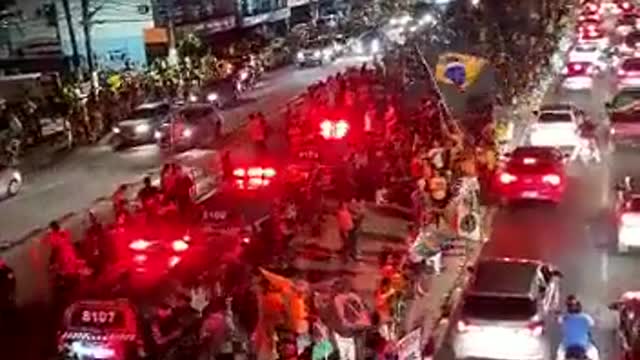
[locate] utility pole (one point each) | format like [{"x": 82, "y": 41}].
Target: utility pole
[
  {"x": 171, "y": 33},
  {"x": 86, "y": 26},
  {"x": 75, "y": 58}
]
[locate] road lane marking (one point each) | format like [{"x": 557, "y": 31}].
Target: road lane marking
[{"x": 604, "y": 266}]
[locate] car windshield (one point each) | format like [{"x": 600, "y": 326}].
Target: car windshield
[
  {"x": 195, "y": 114},
  {"x": 631, "y": 64},
  {"x": 498, "y": 308},
  {"x": 554, "y": 117},
  {"x": 319, "y": 43},
  {"x": 626, "y": 98},
  {"x": 148, "y": 112}
]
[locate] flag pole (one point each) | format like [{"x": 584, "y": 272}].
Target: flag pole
[{"x": 432, "y": 77}]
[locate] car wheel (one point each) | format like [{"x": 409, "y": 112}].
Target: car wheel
[{"x": 13, "y": 187}]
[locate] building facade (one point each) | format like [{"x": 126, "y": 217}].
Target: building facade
[{"x": 116, "y": 29}]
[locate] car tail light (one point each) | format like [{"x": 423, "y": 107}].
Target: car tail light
[
  {"x": 592, "y": 7},
  {"x": 464, "y": 326},
  {"x": 239, "y": 172},
  {"x": 246, "y": 240},
  {"x": 334, "y": 129},
  {"x": 622, "y": 72},
  {"x": 341, "y": 129},
  {"x": 625, "y": 5},
  {"x": 268, "y": 172},
  {"x": 507, "y": 178},
  {"x": 536, "y": 328},
  {"x": 139, "y": 245},
  {"x": 552, "y": 179},
  {"x": 179, "y": 245},
  {"x": 174, "y": 260},
  {"x": 140, "y": 258}
]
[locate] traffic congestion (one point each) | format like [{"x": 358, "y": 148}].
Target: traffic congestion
[{"x": 351, "y": 222}]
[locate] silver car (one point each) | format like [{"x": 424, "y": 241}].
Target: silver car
[
  {"x": 506, "y": 309},
  {"x": 10, "y": 181}
]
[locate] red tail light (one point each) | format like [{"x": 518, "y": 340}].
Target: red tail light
[
  {"x": 334, "y": 129},
  {"x": 626, "y": 5},
  {"x": 506, "y": 178},
  {"x": 326, "y": 129},
  {"x": 552, "y": 179},
  {"x": 139, "y": 245},
  {"x": 239, "y": 173},
  {"x": 536, "y": 328},
  {"x": 180, "y": 246}
]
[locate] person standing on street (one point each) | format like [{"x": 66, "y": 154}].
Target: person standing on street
[{"x": 346, "y": 228}]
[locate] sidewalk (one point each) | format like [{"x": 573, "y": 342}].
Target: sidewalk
[{"x": 319, "y": 260}]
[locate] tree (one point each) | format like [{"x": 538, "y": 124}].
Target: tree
[
  {"x": 191, "y": 47},
  {"x": 72, "y": 35}
]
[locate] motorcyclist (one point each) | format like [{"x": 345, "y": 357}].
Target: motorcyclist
[
  {"x": 588, "y": 141},
  {"x": 576, "y": 330}
]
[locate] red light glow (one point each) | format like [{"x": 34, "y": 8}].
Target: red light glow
[
  {"x": 334, "y": 129},
  {"x": 326, "y": 129},
  {"x": 239, "y": 172},
  {"x": 552, "y": 179},
  {"x": 622, "y": 72},
  {"x": 139, "y": 245}
]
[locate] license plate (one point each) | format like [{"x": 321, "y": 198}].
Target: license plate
[{"x": 529, "y": 194}]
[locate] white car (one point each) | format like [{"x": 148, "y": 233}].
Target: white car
[
  {"x": 505, "y": 311},
  {"x": 556, "y": 125},
  {"x": 587, "y": 53},
  {"x": 629, "y": 223},
  {"x": 578, "y": 76}
]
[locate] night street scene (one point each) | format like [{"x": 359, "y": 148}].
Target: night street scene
[{"x": 319, "y": 179}]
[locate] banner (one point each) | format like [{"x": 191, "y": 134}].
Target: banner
[
  {"x": 409, "y": 347},
  {"x": 459, "y": 69}
]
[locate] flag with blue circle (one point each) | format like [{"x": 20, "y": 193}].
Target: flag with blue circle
[{"x": 460, "y": 70}]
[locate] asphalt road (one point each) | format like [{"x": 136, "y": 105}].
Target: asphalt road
[
  {"x": 91, "y": 172},
  {"x": 576, "y": 235}
]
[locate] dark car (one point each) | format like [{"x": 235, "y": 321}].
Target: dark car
[
  {"x": 320, "y": 51},
  {"x": 243, "y": 219},
  {"x": 190, "y": 126},
  {"x": 139, "y": 127},
  {"x": 222, "y": 93},
  {"x": 624, "y": 118}
]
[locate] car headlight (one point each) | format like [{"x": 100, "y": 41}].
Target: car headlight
[
  {"x": 212, "y": 97},
  {"x": 193, "y": 98},
  {"x": 300, "y": 56},
  {"x": 187, "y": 133},
  {"x": 317, "y": 53},
  {"x": 142, "y": 128},
  {"x": 116, "y": 130},
  {"x": 157, "y": 135}
]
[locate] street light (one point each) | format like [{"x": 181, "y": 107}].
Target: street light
[{"x": 475, "y": 3}]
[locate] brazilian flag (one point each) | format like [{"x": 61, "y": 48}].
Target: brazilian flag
[{"x": 458, "y": 69}]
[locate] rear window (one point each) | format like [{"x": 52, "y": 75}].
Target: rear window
[
  {"x": 631, "y": 65},
  {"x": 499, "y": 308},
  {"x": 552, "y": 117},
  {"x": 194, "y": 115}
]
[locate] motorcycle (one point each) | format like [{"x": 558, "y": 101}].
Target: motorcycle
[{"x": 578, "y": 353}]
